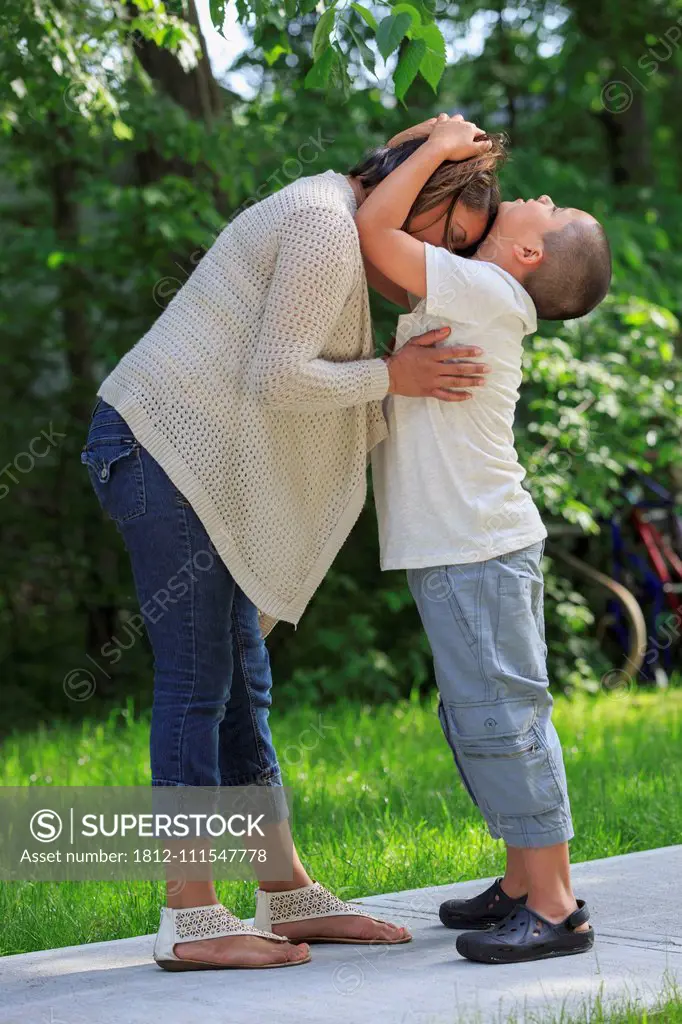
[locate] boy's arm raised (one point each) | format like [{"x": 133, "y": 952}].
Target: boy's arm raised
[{"x": 381, "y": 216}]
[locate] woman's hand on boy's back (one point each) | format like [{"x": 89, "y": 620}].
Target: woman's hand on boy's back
[{"x": 421, "y": 370}]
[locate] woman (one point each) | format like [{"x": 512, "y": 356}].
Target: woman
[{"x": 230, "y": 446}]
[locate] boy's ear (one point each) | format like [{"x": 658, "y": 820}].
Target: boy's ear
[{"x": 529, "y": 255}]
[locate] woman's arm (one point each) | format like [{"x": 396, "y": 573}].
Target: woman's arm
[
  {"x": 381, "y": 216},
  {"x": 314, "y": 276}
]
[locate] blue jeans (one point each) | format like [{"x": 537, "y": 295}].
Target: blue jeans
[
  {"x": 212, "y": 676},
  {"x": 485, "y": 625}
]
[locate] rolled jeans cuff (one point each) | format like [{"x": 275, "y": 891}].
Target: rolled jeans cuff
[
  {"x": 527, "y": 839},
  {"x": 258, "y": 798}
]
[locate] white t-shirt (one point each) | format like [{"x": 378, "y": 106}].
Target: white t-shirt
[{"x": 447, "y": 481}]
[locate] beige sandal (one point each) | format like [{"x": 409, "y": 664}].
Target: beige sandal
[
  {"x": 211, "y": 922},
  {"x": 310, "y": 903}
]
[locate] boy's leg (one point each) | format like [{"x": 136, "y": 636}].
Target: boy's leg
[
  {"x": 543, "y": 876},
  {"x": 515, "y": 880},
  {"x": 452, "y": 621},
  {"x": 484, "y": 623},
  {"x": 548, "y": 870},
  {"x": 485, "y": 626}
]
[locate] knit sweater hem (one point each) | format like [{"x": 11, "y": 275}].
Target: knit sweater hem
[{"x": 269, "y": 605}]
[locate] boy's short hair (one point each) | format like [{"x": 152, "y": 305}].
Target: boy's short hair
[
  {"x": 574, "y": 275},
  {"x": 474, "y": 181}
]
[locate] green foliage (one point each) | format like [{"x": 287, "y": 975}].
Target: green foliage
[
  {"x": 337, "y": 36},
  {"x": 111, "y": 189},
  {"x": 408, "y": 67},
  {"x": 366, "y": 16},
  {"x": 322, "y": 32},
  {"x": 432, "y": 64},
  {"x": 71, "y": 58},
  {"x": 392, "y": 30},
  {"x": 602, "y": 396}
]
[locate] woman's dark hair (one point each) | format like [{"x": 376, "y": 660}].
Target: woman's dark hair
[{"x": 472, "y": 181}]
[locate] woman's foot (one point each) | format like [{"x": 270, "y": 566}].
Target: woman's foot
[
  {"x": 210, "y": 937},
  {"x": 351, "y": 929},
  {"x": 310, "y": 913},
  {"x": 241, "y": 951}
]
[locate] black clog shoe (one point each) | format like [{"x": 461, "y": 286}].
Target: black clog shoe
[
  {"x": 526, "y": 935},
  {"x": 483, "y": 911}
]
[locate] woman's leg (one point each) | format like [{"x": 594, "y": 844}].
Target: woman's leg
[
  {"x": 186, "y": 596},
  {"x": 247, "y": 757},
  {"x": 212, "y": 676},
  {"x": 246, "y": 753}
]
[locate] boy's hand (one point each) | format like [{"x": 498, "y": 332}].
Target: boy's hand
[
  {"x": 419, "y": 370},
  {"x": 417, "y": 131},
  {"x": 457, "y": 139}
]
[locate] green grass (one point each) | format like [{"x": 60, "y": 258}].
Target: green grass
[
  {"x": 377, "y": 807},
  {"x": 667, "y": 1011}
]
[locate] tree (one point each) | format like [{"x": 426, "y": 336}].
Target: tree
[
  {"x": 121, "y": 161},
  {"x": 341, "y": 34}
]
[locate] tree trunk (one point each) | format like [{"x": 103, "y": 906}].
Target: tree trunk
[
  {"x": 196, "y": 91},
  {"x": 73, "y": 298},
  {"x": 627, "y": 144},
  {"x": 73, "y": 286}
]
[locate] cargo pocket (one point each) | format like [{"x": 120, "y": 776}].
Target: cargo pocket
[
  {"x": 445, "y": 726},
  {"x": 115, "y": 469},
  {"x": 503, "y": 758},
  {"x": 519, "y": 647}
]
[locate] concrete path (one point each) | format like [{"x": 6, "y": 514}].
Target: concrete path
[{"x": 636, "y": 903}]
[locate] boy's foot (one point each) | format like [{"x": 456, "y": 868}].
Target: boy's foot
[
  {"x": 482, "y": 911},
  {"x": 526, "y": 935}
]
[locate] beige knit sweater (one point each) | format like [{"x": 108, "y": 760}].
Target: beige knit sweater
[{"x": 257, "y": 392}]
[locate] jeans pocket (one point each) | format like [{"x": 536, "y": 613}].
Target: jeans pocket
[
  {"x": 502, "y": 755},
  {"x": 519, "y": 646},
  {"x": 453, "y": 579},
  {"x": 115, "y": 468}
]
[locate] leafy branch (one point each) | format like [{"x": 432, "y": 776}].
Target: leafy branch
[{"x": 342, "y": 28}]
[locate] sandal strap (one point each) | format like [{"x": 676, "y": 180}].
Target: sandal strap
[
  {"x": 527, "y": 915},
  {"x": 213, "y": 922},
  {"x": 304, "y": 904},
  {"x": 579, "y": 916}
]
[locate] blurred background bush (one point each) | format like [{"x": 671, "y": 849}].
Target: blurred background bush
[{"x": 123, "y": 157}]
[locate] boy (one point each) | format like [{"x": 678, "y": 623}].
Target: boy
[{"x": 452, "y": 512}]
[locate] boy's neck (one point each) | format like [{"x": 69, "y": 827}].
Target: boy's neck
[{"x": 491, "y": 252}]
